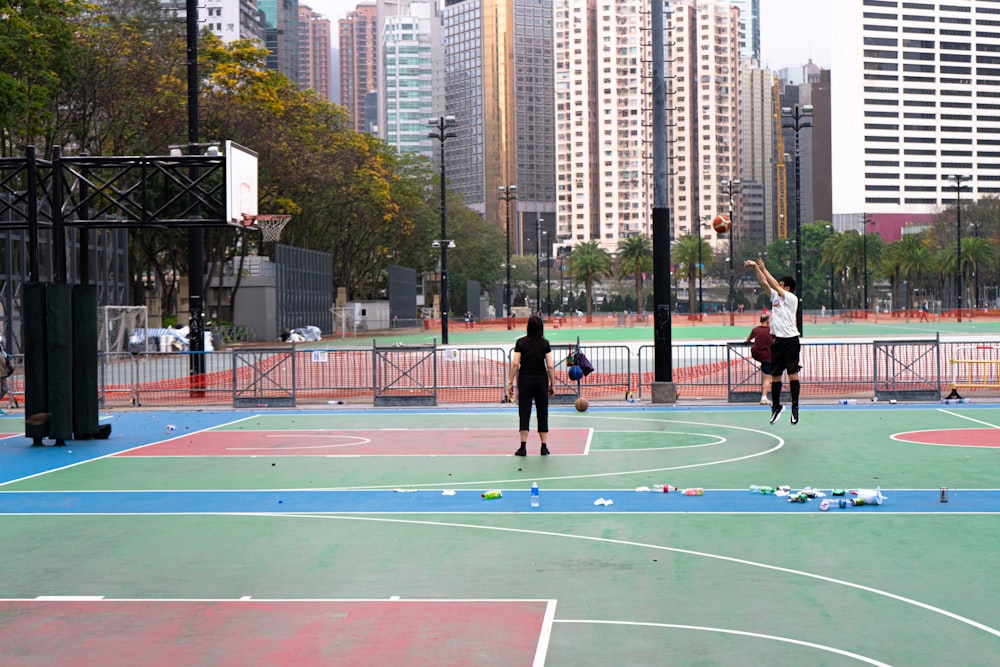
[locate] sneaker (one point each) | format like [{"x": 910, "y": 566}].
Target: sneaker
[
  {"x": 764, "y": 400},
  {"x": 545, "y": 450},
  {"x": 776, "y": 412},
  {"x": 521, "y": 451},
  {"x": 795, "y": 414}
]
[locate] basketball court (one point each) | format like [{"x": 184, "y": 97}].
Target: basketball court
[{"x": 360, "y": 536}]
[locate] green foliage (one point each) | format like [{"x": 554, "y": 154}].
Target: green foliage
[{"x": 586, "y": 263}]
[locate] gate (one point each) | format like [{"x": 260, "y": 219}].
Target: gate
[
  {"x": 742, "y": 374},
  {"x": 907, "y": 369},
  {"x": 405, "y": 375},
  {"x": 264, "y": 378}
]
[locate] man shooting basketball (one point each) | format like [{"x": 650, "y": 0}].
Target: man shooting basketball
[{"x": 785, "y": 348}]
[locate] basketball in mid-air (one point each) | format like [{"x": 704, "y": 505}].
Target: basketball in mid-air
[
  {"x": 721, "y": 224},
  {"x": 582, "y": 404}
]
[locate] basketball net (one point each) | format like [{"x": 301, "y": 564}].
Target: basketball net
[{"x": 270, "y": 226}]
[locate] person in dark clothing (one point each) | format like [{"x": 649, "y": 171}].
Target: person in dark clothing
[
  {"x": 761, "y": 338},
  {"x": 533, "y": 367}
]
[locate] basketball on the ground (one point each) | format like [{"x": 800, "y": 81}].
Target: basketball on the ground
[
  {"x": 721, "y": 224},
  {"x": 581, "y": 404}
]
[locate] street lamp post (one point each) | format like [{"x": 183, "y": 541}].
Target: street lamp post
[
  {"x": 538, "y": 264},
  {"x": 441, "y": 133},
  {"x": 974, "y": 226},
  {"x": 798, "y": 118},
  {"x": 731, "y": 187},
  {"x": 506, "y": 193},
  {"x": 864, "y": 254},
  {"x": 701, "y": 271},
  {"x": 958, "y": 218},
  {"x": 548, "y": 274}
]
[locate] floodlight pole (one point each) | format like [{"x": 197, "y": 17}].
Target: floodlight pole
[
  {"x": 798, "y": 118},
  {"x": 506, "y": 193},
  {"x": 442, "y": 133},
  {"x": 958, "y": 178}
]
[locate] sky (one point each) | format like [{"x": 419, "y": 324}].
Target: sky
[{"x": 792, "y": 31}]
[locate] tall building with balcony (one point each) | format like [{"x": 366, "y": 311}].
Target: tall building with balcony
[
  {"x": 315, "y": 57},
  {"x": 603, "y": 118},
  {"x": 917, "y": 90},
  {"x": 229, "y": 20},
  {"x": 498, "y": 85},
  {"x": 358, "y": 62}
]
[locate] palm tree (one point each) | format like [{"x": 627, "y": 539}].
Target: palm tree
[
  {"x": 635, "y": 256},
  {"x": 915, "y": 262},
  {"x": 587, "y": 262},
  {"x": 686, "y": 251}
]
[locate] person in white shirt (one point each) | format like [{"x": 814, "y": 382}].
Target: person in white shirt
[{"x": 785, "y": 348}]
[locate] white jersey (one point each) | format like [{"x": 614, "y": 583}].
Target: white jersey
[{"x": 783, "y": 315}]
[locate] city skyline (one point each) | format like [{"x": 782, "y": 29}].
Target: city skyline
[{"x": 792, "y": 31}]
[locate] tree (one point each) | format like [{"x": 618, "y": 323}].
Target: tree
[
  {"x": 587, "y": 262},
  {"x": 685, "y": 252},
  {"x": 635, "y": 257}
]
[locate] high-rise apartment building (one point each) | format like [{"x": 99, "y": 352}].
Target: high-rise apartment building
[
  {"x": 603, "y": 131},
  {"x": 758, "y": 126},
  {"x": 499, "y": 87},
  {"x": 704, "y": 123},
  {"x": 917, "y": 100},
  {"x": 281, "y": 21},
  {"x": 358, "y": 62},
  {"x": 229, "y": 20},
  {"x": 314, "y": 53},
  {"x": 409, "y": 38}
]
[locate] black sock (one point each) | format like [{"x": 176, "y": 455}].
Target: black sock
[
  {"x": 775, "y": 393},
  {"x": 793, "y": 389}
]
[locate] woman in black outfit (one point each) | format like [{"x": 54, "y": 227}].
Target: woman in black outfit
[{"x": 532, "y": 366}]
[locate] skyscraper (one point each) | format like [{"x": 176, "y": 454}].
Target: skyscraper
[
  {"x": 409, "y": 40},
  {"x": 314, "y": 53},
  {"x": 358, "y": 62},
  {"x": 917, "y": 100},
  {"x": 498, "y": 85},
  {"x": 281, "y": 20}
]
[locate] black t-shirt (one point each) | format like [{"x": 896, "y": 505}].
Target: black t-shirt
[{"x": 533, "y": 351}]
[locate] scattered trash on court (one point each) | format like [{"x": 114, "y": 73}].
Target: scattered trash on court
[
  {"x": 170, "y": 427},
  {"x": 607, "y": 502},
  {"x": 405, "y": 490},
  {"x": 448, "y": 492}
]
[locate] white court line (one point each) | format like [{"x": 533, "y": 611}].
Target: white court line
[
  {"x": 974, "y": 421},
  {"x": 289, "y": 448},
  {"x": 689, "y": 552},
  {"x": 741, "y": 633},
  {"x": 541, "y": 651}
]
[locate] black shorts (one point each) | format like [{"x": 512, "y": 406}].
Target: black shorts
[{"x": 784, "y": 356}]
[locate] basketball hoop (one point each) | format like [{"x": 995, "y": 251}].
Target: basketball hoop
[{"x": 270, "y": 226}]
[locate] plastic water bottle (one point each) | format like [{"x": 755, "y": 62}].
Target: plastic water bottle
[
  {"x": 534, "y": 494},
  {"x": 666, "y": 488},
  {"x": 492, "y": 495},
  {"x": 697, "y": 491},
  {"x": 764, "y": 490},
  {"x": 848, "y": 401}
]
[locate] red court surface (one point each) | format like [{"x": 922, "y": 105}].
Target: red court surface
[
  {"x": 374, "y": 442},
  {"x": 955, "y": 437},
  {"x": 272, "y": 632}
]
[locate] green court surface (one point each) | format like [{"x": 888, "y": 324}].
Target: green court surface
[{"x": 354, "y": 505}]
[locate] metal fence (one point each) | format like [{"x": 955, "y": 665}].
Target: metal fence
[{"x": 905, "y": 369}]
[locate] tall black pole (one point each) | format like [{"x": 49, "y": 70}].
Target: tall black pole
[
  {"x": 196, "y": 235},
  {"x": 732, "y": 234},
  {"x": 958, "y": 217},
  {"x": 441, "y": 126},
  {"x": 664, "y": 389},
  {"x": 864, "y": 255},
  {"x": 975, "y": 267},
  {"x": 701, "y": 277},
  {"x": 444, "y": 253},
  {"x": 538, "y": 265},
  {"x": 507, "y": 193},
  {"x": 548, "y": 278},
  {"x": 798, "y": 118}
]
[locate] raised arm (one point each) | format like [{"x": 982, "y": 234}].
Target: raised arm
[{"x": 767, "y": 281}]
